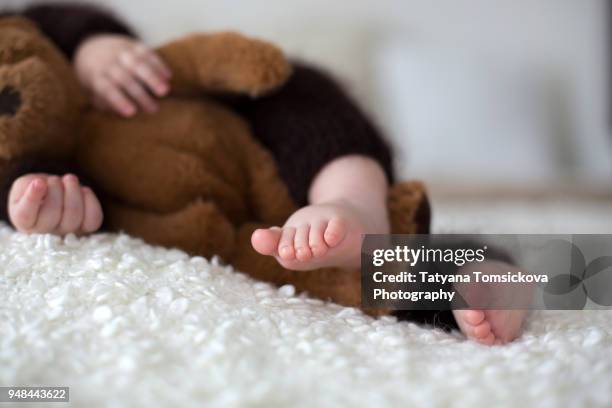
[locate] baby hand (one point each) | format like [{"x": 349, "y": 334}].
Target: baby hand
[
  {"x": 121, "y": 73},
  {"x": 44, "y": 203}
]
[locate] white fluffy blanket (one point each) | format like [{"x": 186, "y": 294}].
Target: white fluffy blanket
[{"x": 126, "y": 324}]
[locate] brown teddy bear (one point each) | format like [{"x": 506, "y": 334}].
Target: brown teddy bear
[{"x": 190, "y": 176}]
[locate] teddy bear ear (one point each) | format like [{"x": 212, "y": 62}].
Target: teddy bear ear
[{"x": 18, "y": 22}]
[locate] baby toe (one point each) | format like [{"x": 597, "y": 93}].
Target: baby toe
[
  {"x": 482, "y": 330},
  {"x": 302, "y": 249},
  {"x": 335, "y": 231},
  {"x": 285, "y": 244},
  {"x": 488, "y": 341},
  {"x": 265, "y": 241},
  {"x": 473, "y": 317},
  {"x": 315, "y": 239}
]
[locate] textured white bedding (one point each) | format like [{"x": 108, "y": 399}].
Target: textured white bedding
[{"x": 126, "y": 324}]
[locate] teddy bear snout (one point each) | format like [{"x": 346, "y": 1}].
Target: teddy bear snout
[{"x": 10, "y": 101}]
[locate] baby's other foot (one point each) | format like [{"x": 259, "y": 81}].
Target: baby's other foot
[
  {"x": 490, "y": 326},
  {"x": 474, "y": 325},
  {"x": 315, "y": 236}
]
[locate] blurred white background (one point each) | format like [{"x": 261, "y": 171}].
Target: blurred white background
[{"x": 495, "y": 94}]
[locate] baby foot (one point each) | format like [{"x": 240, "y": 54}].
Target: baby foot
[
  {"x": 474, "y": 325},
  {"x": 315, "y": 236},
  {"x": 490, "y": 326}
]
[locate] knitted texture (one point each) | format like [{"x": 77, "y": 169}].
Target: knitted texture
[
  {"x": 309, "y": 122},
  {"x": 68, "y": 25}
]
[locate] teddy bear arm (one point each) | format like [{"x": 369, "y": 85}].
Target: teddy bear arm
[{"x": 224, "y": 62}]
